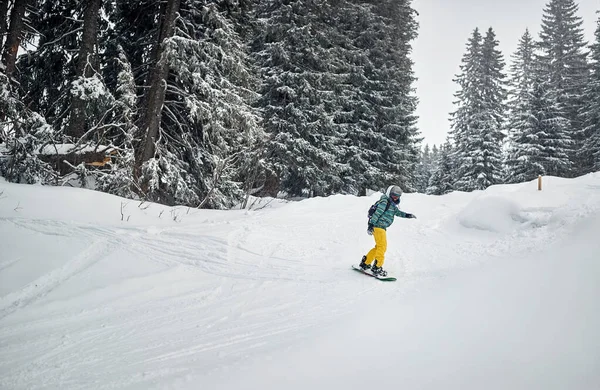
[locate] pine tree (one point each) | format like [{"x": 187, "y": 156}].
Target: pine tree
[
  {"x": 134, "y": 30},
  {"x": 467, "y": 92},
  {"x": 477, "y": 122},
  {"x": 21, "y": 163},
  {"x": 22, "y": 132},
  {"x": 207, "y": 146},
  {"x": 126, "y": 71},
  {"x": 120, "y": 180},
  {"x": 461, "y": 128},
  {"x": 434, "y": 158},
  {"x": 540, "y": 142},
  {"x": 291, "y": 52},
  {"x": 396, "y": 115},
  {"x": 424, "y": 169},
  {"x": 377, "y": 97},
  {"x": 212, "y": 75},
  {"x": 47, "y": 69},
  {"x": 539, "y": 138},
  {"x": 86, "y": 63},
  {"x": 434, "y": 153},
  {"x": 494, "y": 94},
  {"x": 591, "y": 150},
  {"x": 563, "y": 66},
  {"x": 441, "y": 180},
  {"x": 150, "y": 118},
  {"x": 337, "y": 94},
  {"x": 523, "y": 159},
  {"x": 357, "y": 143}
]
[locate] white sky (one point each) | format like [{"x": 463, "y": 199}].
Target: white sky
[{"x": 445, "y": 26}]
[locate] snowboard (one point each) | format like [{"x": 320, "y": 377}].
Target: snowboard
[{"x": 383, "y": 278}]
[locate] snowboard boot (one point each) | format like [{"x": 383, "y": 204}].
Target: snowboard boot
[
  {"x": 378, "y": 271},
  {"x": 363, "y": 265}
]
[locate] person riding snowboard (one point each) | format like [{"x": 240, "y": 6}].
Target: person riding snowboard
[{"x": 380, "y": 220}]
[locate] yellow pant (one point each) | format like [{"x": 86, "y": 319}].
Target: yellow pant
[{"x": 378, "y": 253}]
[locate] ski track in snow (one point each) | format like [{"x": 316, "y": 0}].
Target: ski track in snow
[
  {"x": 44, "y": 285},
  {"x": 218, "y": 257},
  {"x": 7, "y": 263},
  {"x": 232, "y": 333}
]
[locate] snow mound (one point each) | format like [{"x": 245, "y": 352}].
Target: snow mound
[{"x": 492, "y": 213}]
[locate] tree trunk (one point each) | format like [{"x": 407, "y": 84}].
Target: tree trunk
[
  {"x": 155, "y": 97},
  {"x": 85, "y": 64},
  {"x": 15, "y": 34}
]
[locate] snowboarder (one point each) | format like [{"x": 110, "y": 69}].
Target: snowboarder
[{"x": 386, "y": 208}]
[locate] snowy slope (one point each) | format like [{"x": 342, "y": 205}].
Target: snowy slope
[{"x": 497, "y": 289}]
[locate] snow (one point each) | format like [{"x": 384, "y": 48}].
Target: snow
[
  {"x": 88, "y": 88},
  {"x": 72, "y": 148},
  {"x": 497, "y": 289}
]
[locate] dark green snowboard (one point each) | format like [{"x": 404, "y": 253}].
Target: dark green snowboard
[{"x": 385, "y": 278}]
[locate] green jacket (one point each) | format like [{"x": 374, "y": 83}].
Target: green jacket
[{"x": 383, "y": 218}]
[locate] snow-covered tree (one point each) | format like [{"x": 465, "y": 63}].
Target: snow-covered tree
[
  {"x": 477, "y": 122},
  {"x": 434, "y": 154},
  {"x": 562, "y": 62},
  {"x": 467, "y": 81},
  {"x": 48, "y": 67},
  {"x": 425, "y": 168},
  {"x": 215, "y": 80},
  {"x": 442, "y": 180},
  {"x": 119, "y": 180},
  {"x": 21, "y": 162},
  {"x": 173, "y": 81},
  {"x": 337, "y": 93},
  {"x": 154, "y": 98},
  {"x": 22, "y": 132},
  {"x": 540, "y": 142},
  {"x": 378, "y": 101},
  {"x": 523, "y": 163},
  {"x": 291, "y": 52},
  {"x": 86, "y": 63},
  {"x": 591, "y": 112},
  {"x": 207, "y": 144}
]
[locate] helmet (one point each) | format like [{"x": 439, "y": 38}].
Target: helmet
[{"x": 394, "y": 193}]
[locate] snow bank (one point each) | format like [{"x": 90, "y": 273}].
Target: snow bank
[
  {"x": 88, "y": 206},
  {"x": 492, "y": 213}
]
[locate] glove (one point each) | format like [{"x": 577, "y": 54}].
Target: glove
[
  {"x": 370, "y": 230},
  {"x": 409, "y": 215}
]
